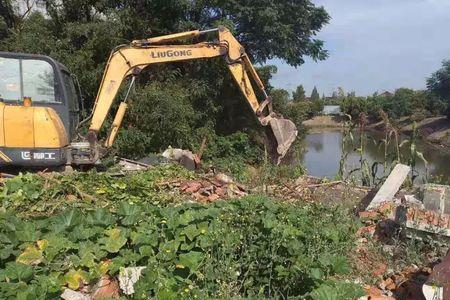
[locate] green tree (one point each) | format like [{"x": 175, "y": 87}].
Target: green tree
[
  {"x": 280, "y": 100},
  {"x": 439, "y": 83},
  {"x": 299, "y": 94},
  {"x": 80, "y": 34},
  {"x": 315, "y": 94}
]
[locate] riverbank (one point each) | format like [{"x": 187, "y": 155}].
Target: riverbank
[
  {"x": 325, "y": 122},
  {"x": 434, "y": 130}
]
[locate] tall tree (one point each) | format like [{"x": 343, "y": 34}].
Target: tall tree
[
  {"x": 315, "y": 94},
  {"x": 439, "y": 83},
  {"x": 299, "y": 94},
  {"x": 81, "y": 33}
]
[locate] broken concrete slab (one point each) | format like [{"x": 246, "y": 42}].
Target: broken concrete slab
[
  {"x": 436, "y": 197},
  {"x": 131, "y": 165},
  {"x": 390, "y": 186},
  {"x": 185, "y": 157},
  {"x": 69, "y": 294},
  {"x": 423, "y": 224},
  {"x": 128, "y": 277}
]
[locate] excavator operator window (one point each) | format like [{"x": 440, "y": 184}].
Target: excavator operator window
[
  {"x": 27, "y": 78},
  {"x": 10, "y": 79}
]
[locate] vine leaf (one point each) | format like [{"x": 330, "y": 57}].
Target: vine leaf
[
  {"x": 74, "y": 279},
  {"x": 31, "y": 256},
  {"x": 115, "y": 240},
  {"x": 191, "y": 260}
]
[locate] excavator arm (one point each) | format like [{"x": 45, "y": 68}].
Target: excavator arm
[{"x": 129, "y": 60}]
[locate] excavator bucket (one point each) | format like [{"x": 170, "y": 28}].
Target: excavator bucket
[{"x": 284, "y": 132}]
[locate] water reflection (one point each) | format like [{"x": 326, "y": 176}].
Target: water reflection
[{"x": 323, "y": 152}]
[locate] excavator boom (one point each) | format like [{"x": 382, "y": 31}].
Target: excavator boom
[{"x": 129, "y": 60}]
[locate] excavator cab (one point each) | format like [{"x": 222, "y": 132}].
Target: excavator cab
[{"x": 36, "y": 135}]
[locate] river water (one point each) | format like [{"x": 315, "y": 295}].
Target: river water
[{"x": 323, "y": 152}]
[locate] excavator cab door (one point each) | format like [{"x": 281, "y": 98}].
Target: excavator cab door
[{"x": 47, "y": 82}]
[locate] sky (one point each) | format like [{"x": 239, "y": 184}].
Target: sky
[{"x": 374, "y": 45}]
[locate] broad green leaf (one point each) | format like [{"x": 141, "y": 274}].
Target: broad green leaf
[
  {"x": 100, "y": 217},
  {"x": 18, "y": 271},
  {"x": 131, "y": 213},
  {"x": 30, "y": 256},
  {"x": 67, "y": 219},
  {"x": 191, "y": 231},
  {"x": 6, "y": 252},
  {"x": 26, "y": 232},
  {"x": 316, "y": 273},
  {"x": 55, "y": 245},
  {"x": 114, "y": 241},
  {"x": 325, "y": 292},
  {"x": 191, "y": 260},
  {"x": 74, "y": 278}
]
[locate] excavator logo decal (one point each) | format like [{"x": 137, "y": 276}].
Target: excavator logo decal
[
  {"x": 27, "y": 155},
  {"x": 170, "y": 53}
]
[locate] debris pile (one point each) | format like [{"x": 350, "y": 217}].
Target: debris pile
[
  {"x": 385, "y": 218},
  {"x": 107, "y": 287},
  {"x": 220, "y": 186}
]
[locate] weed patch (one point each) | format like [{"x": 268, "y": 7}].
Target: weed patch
[{"x": 252, "y": 247}]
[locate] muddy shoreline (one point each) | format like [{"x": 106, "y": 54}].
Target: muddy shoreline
[{"x": 435, "y": 131}]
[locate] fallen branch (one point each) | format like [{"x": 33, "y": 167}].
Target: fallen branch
[{"x": 324, "y": 184}]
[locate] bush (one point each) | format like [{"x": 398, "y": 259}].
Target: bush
[{"x": 234, "y": 146}]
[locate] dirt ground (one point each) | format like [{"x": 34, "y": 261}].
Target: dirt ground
[{"x": 324, "y": 122}]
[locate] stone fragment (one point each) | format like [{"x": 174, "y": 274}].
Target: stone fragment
[
  {"x": 106, "y": 288},
  {"x": 69, "y": 294},
  {"x": 185, "y": 157},
  {"x": 213, "y": 197},
  {"x": 436, "y": 198},
  {"x": 223, "y": 178},
  {"x": 370, "y": 230},
  {"x": 411, "y": 199},
  {"x": 368, "y": 214},
  {"x": 380, "y": 270},
  {"x": 128, "y": 277},
  {"x": 193, "y": 187},
  {"x": 372, "y": 291}
]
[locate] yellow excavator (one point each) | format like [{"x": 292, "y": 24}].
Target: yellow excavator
[{"x": 40, "y": 102}]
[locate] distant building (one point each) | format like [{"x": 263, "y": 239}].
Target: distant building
[
  {"x": 386, "y": 94},
  {"x": 331, "y": 110}
]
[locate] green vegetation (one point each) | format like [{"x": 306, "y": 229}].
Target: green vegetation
[
  {"x": 404, "y": 102},
  {"x": 174, "y": 104},
  {"x": 299, "y": 94},
  {"x": 376, "y": 173},
  {"x": 297, "y": 108},
  {"x": 315, "y": 94},
  {"x": 62, "y": 231},
  {"x": 439, "y": 84}
]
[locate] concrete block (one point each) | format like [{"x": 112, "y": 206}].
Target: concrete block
[
  {"x": 391, "y": 186},
  {"x": 436, "y": 198}
]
